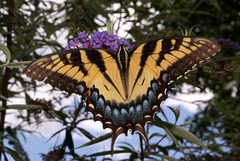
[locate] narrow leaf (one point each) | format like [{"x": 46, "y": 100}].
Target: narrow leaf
[
  {"x": 13, "y": 153},
  {"x": 6, "y": 52},
  {"x": 22, "y": 107},
  {"x": 176, "y": 112},
  {"x": 3, "y": 97},
  {"x": 86, "y": 133},
  {"x": 58, "y": 132},
  {"x": 215, "y": 4},
  {"x": 19, "y": 66},
  {"x": 188, "y": 81},
  {"x": 97, "y": 140},
  {"x": 180, "y": 132},
  {"x": 164, "y": 157},
  {"x": 168, "y": 131},
  {"x": 104, "y": 153},
  {"x": 129, "y": 145}
]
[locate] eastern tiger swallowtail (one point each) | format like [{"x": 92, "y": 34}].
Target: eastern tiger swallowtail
[{"x": 123, "y": 89}]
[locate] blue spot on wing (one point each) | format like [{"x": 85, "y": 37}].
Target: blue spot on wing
[
  {"x": 124, "y": 116},
  {"x": 108, "y": 113},
  {"x": 155, "y": 88},
  {"x": 146, "y": 107},
  {"x": 100, "y": 106},
  {"x": 151, "y": 98},
  {"x": 132, "y": 114},
  {"x": 116, "y": 117},
  {"x": 139, "y": 113},
  {"x": 94, "y": 96},
  {"x": 80, "y": 88}
]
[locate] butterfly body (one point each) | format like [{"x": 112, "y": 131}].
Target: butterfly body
[{"x": 124, "y": 89}]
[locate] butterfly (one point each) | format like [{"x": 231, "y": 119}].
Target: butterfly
[{"x": 123, "y": 89}]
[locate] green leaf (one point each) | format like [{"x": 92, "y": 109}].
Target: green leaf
[
  {"x": 187, "y": 124},
  {"x": 86, "y": 133},
  {"x": 129, "y": 145},
  {"x": 155, "y": 134},
  {"x": 215, "y": 4},
  {"x": 164, "y": 157},
  {"x": 188, "y": 81},
  {"x": 61, "y": 115},
  {"x": 6, "y": 52},
  {"x": 179, "y": 131},
  {"x": 3, "y": 97},
  {"x": 22, "y": 107},
  {"x": 97, "y": 140},
  {"x": 58, "y": 132},
  {"x": 164, "y": 114},
  {"x": 168, "y": 130},
  {"x": 110, "y": 27},
  {"x": 176, "y": 112},
  {"x": 17, "y": 66},
  {"x": 13, "y": 153},
  {"x": 103, "y": 153}
]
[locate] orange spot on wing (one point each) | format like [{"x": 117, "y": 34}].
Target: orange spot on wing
[
  {"x": 89, "y": 92},
  {"x": 129, "y": 124},
  {"x": 160, "y": 83}
]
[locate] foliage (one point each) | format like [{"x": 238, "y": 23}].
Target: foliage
[{"x": 29, "y": 28}]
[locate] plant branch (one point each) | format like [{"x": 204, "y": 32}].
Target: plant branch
[
  {"x": 193, "y": 10},
  {"x": 141, "y": 145},
  {"x": 6, "y": 74},
  {"x": 17, "y": 64}
]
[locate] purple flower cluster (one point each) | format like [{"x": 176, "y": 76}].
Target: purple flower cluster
[
  {"x": 97, "y": 40},
  {"x": 229, "y": 44}
]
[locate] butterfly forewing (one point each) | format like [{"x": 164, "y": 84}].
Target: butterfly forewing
[
  {"x": 169, "y": 58},
  {"x": 70, "y": 69}
]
